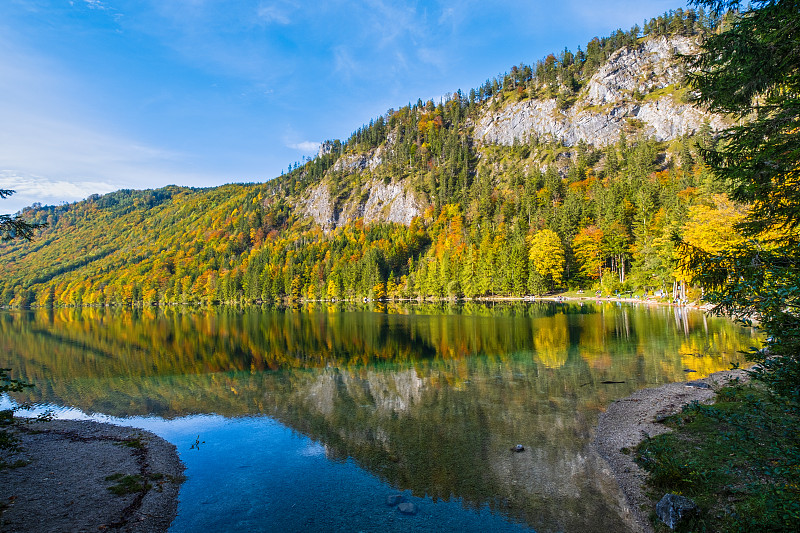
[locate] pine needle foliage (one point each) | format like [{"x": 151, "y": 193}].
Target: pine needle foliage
[{"x": 751, "y": 71}]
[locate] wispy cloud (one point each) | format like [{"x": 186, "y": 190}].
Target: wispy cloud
[
  {"x": 95, "y": 4},
  {"x": 31, "y": 188},
  {"x": 49, "y": 145},
  {"x": 274, "y": 13},
  {"x": 393, "y": 21},
  {"x": 305, "y": 146},
  {"x": 432, "y": 57},
  {"x": 54, "y": 148},
  {"x": 343, "y": 62}
]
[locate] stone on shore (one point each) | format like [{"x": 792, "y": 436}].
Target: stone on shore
[{"x": 673, "y": 509}]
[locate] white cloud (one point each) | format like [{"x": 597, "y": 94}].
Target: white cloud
[
  {"x": 36, "y": 144},
  {"x": 30, "y": 189},
  {"x": 51, "y": 149},
  {"x": 432, "y": 57},
  {"x": 273, "y": 13},
  {"x": 390, "y": 21},
  {"x": 95, "y": 4},
  {"x": 344, "y": 63},
  {"x": 305, "y": 146}
]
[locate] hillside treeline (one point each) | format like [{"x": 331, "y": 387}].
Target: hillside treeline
[
  {"x": 609, "y": 221},
  {"x": 501, "y": 221}
]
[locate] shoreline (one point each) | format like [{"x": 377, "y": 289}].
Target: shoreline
[
  {"x": 61, "y": 479},
  {"x": 628, "y": 421},
  {"x": 480, "y": 299}
]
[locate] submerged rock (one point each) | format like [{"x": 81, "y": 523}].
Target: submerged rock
[
  {"x": 407, "y": 508},
  {"x": 394, "y": 499},
  {"x": 518, "y": 448},
  {"x": 673, "y": 509}
]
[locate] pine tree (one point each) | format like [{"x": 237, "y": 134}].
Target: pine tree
[
  {"x": 750, "y": 71},
  {"x": 14, "y": 226}
]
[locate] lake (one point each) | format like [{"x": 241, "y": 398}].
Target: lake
[{"x": 307, "y": 419}]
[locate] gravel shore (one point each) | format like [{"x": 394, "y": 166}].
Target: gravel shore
[
  {"x": 60, "y": 480},
  {"x": 628, "y": 421}
]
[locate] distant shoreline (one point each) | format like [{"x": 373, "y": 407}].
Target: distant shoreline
[{"x": 481, "y": 299}]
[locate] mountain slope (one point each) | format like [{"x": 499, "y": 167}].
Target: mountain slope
[
  {"x": 594, "y": 153},
  {"x": 637, "y": 92}
]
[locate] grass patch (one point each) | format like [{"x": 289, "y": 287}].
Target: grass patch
[
  {"x": 739, "y": 459},
  {"x": 680, "y": 94},
  {"x": 132, "y": 443},
  {"x": 127, "y": 484}
]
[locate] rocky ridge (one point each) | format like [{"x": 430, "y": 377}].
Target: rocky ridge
[
  {"x": 618, "y": 99},
  {"x": 637, "y": 91}
]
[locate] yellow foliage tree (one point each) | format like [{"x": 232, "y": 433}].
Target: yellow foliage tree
[
  {"x": 588, "y": 246},
  {"x": 711, "y": 228},
  {"x": 547, "y": 256}
]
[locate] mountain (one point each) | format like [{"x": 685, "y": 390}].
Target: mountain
[
  {"x": 573, "y": 172},
  {"x": 638, "y": 91},
  {"x": 640, "y": 83}
]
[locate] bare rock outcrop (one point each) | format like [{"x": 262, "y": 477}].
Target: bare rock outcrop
[
  {"x": 608, "y": 108},
  {"x": 356, "y": 162},
  {"x": 378, "y": 202},
  {"x": 650, "y": 66},
  {"x": 390, "y": 202},
  {"x": 318, "y": 205}
]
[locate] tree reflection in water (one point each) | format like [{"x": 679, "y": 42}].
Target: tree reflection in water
[{"x": 430, "y": 398}]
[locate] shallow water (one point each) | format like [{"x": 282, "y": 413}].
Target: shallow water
[{"x": 307, "y": 419}]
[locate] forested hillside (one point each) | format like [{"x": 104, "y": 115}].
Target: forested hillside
[{"x": 418, "y": 204}]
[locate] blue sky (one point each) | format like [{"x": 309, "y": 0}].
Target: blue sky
[{"x": 98, "y": 95}]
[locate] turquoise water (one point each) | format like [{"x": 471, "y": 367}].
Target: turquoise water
[{"x": 307, "y": 419}]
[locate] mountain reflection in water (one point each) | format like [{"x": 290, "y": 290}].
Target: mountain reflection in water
[{"x": 428, "y": 398}]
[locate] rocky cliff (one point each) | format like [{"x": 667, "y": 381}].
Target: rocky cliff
[
  {"x": 637, "y": 90},
  {"x": 378, "y": 201}
]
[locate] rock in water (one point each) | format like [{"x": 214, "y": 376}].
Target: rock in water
[
  {"x": 394, "y": 499},
  {"x": 407, "y": 508},
  {"x": 672, "y": 509},
  {"x": 518, "y": 448}
]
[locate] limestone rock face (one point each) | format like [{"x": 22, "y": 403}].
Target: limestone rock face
[
  {"x": 607, "y": 107},
  {"x": 318, "y": 205},
  {"x": 378, "y": 202},
  {"x": 390, "y": 203},
  {"x": 650, "y": 66},
  {"x": 357, "y": 162}
]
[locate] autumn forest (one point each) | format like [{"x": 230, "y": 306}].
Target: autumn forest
[{"x": 499, "y": 221}]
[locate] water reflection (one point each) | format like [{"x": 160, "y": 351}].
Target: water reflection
[{"x": 428, "y": 398}]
